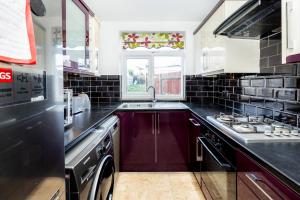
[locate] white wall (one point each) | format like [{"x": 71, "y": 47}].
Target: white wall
[{"x": 110, "y": 44}]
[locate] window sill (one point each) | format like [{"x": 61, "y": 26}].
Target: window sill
[{"x": 150, "y": 99}]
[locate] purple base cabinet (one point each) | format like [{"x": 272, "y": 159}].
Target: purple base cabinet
[
  {"x": 172, "y": 141},
  {"x": 154, "y": 141},
  {"x": 137, "y": 141},
  {"x": 255, "y": 183}
]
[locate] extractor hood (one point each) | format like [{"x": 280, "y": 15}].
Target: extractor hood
[{"x": 254, "y": 20}]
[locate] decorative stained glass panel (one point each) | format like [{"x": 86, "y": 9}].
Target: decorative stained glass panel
[{"x": 174, "y": 40}]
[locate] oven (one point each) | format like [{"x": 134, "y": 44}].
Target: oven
[
  {"x": 217, "y": 167},
  {"x": 195, "y": 129}
]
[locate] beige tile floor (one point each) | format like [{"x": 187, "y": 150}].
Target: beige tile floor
[{"x": 157, "y": 186}]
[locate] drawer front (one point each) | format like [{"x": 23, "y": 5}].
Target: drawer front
[{"x": 260, "y": 181}]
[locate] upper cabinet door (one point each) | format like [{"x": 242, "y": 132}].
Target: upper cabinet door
[
  {"x": 94, "y": 32},
  {"x": 290, "y": 31},
  {"x": 216, "y": 54},
  {"x": 80, "y": 38},
  {"x": 76, "y": 35}
]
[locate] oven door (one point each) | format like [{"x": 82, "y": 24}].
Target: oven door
[
  {"x": 103, "y": 183},
  {"x": 195, "y": 151},
  {"x": 218, "y": 177}
]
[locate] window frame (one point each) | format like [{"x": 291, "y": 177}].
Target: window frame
[{"x": 148, "y": 54}]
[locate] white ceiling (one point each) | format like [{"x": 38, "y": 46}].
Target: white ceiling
[{"x": 151, "y": 10}]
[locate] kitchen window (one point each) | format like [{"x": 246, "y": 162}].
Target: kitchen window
[{"x": 153, "y": 59}]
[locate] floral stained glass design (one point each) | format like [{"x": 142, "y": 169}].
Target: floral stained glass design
[{"x": 153, "y": 40}]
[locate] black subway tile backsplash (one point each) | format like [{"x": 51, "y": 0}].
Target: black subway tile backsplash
[
  {"x": 264, "y": 42},
  {"x": 287, "y": 118},
  {"x": 245, "y": 99},
  {"x": 199, "y": 89},
  {"x": 292, "y": 107},
  {"x": 265, "y": 112},
  {"x": 257, "y": 101},
  {"x": 268, "y": 51},
  {"x": 244, "y": 83},
  {"x": 103, "y": 90},
  {"x": 258, "y": 82},
  {"x": 274, "y": 39},
  {"x": 290, "y": 95},
  {"x": 238, "y": 90},
  {"x": 274, "y": 60},
  {"x": 267, "y": 70},
  {"x": 292, "y": 82},
  {"x": 238, "y": 106},
  {"x": 274, "y": 82},
  {"x": 264, "y": 62},
  {"x": 273, "y": 104},
  {"x": 290, "y": 69},
  {"x": 250, "y": 91},
  {"x": 250, "y": 110},
  {"x": 229, "y": 103},
  {"x": 264, "y": 92}
]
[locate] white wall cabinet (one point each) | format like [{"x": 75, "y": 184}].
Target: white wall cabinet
[
  {"x": 94, "y": 42},
  {"x": 290, "y": 31},
  {"x": 80, "y": 39},
  {"x": 220, "y": 54}
]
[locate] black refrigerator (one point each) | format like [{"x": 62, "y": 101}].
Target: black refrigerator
[{"x": 31, "y": 115}]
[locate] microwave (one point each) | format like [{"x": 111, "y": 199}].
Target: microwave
[{"x": 68, "y": 114}]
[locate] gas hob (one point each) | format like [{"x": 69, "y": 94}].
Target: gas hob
[{"x": 255, "y": 128}]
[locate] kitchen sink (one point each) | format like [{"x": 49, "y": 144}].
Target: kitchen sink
[
  {"x": 137, "y": 105},
  {"x": 152, "y": 106}
]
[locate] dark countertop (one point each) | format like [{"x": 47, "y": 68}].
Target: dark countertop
[
  {"x": 207, "y": 110},
  {"x": 281, "y": 158},
  {"x": 84, "y": 122}
]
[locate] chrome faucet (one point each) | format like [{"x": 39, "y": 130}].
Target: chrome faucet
[{"x": 153, "y": 99}]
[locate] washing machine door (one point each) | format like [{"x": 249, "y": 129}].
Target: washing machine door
[{"x": 103, "y": 183}]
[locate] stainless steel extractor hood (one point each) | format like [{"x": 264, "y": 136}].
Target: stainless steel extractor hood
[{"x": 254, "y": 20}]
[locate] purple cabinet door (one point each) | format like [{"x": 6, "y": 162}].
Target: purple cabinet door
[
  {"x": 137, "y": 141},
  {"x": 257, "y": 183},
  {"x": 172, "y": 140}
]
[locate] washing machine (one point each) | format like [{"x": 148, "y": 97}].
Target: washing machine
[{"x": 90, "y": 168}]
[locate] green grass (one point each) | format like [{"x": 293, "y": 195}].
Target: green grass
[{"x": 136, "y": 88}]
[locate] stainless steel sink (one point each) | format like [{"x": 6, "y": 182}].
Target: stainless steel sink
[
  {"x": 137, "y": 105},
  {"x": 153, "y": 106}
]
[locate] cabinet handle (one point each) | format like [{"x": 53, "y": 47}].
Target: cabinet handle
[
  {"x": 155, "y": 138},
  {"x": 198, "y": 158},
  {"x": 153, "y": 128},
  {"x": 204, "y": 60},
  {"x": 223, "y": 164},
  {"x": 158, "y": 131},
  {"x": 289, "y": 24},
  {"x": 194, "y": 122},
  {"x": 255, "y": 179}
]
